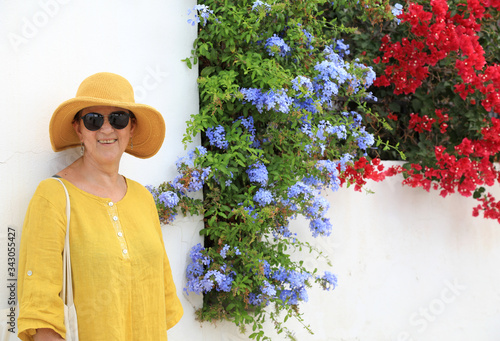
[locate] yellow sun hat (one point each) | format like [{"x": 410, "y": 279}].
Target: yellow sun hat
[{"x": 108, "y": 89}]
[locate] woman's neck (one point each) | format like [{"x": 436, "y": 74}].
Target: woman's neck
[{"x": 98, "y": 179}]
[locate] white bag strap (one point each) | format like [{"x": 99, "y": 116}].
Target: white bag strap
[{"x": 67, "y": 289}]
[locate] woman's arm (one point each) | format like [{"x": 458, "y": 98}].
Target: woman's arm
[{"x": 46, "y": 334}]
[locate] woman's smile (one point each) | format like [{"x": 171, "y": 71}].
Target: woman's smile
[{"x": 107, "y": 141}]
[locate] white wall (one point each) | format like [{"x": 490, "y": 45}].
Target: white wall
[
  {"x": 411, "y": 265},
  {"x": 47, "y": 48}
]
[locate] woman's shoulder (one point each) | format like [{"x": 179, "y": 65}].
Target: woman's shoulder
[
  {"x": 51, "y": 190},
  {"x": 49, "y": 186}
]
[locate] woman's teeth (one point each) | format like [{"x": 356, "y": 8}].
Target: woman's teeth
[{"x": 106, "y": 141}]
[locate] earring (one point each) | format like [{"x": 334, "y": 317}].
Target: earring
[
  {"x": 82, "y": 149},
  {"x": 131, "y": 144}
]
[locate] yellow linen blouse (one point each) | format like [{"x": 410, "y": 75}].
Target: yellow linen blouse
[{"x": 122, "y": 282}]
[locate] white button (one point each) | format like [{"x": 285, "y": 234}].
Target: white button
[
  {"x": 125, "y": 251},
  {"x": 30, "y": 273},
  {"x": 115, "y": 218},
  {"x": 120, "y": 234},
  {"x": 110, "y": 204}
]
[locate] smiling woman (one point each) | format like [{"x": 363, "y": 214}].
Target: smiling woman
[{"x": 116, "y": 242}]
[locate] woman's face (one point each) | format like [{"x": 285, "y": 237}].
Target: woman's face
[{"x": 107, "y": 144}]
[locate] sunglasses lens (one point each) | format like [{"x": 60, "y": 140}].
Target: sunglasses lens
[
  {"x": 119, "y": 120},
  {"x": 93, "y": 121}
]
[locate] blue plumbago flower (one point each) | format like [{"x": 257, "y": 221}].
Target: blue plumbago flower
[
  {"x": 309, "y": 38},
  {"x": 237, "y": 251},
  {"x": 259, "y": 5},
  {"x": 169, "y": 199},
  {"x": 344, "y": 160},
  {"x": 200, "y": 280},
  {"x": 195, "y": 182},
  {"x": 368, "y": 74},
  {"x": 248, "y": 123},
  {"x": 250, "y": 210},
  {"x": 222, "y": 280},
  {"x": 194, "y": 271},
  {"x": 396, "y": 11},
  {"x": 268, "y": 289},
  {"x": 154, "y": 191},
  {"x": 217, "y": 137},
  {"x": 332, "y": 74},
  {"x": 258, "y": 173},
  {"x": 312, "y": 181},
  {"x": 192, "y": 154},
  {"x": 280, "y": 99},
  {"x": 266, "y": 268},
  {"x": 371, "y": 96},
  {"x": 317, "y": 207},
  {"x": 295, "y": 283},
  {"x": 335, "y": 70},
  {"x": 364, "y": 138},
  {"x": 306, "y": 129},
  {"x": 263, "y": 197},
  {"x": 329, "y": 168},
  {"x": 282, "y": 232},
  {"x": 342, "y": 48},
  {"x": 321, "y": 226},
  {"x": 357, "y": 119},
  {"x": 202, "y": 151},
  {"x": 301, "y": 83},
  {"x": 224, "y": 250},
  {"x": 277, "y": 100},
  {"x": 204, "y": 12},
  {"x": 328, "y": 281},
  {"x": 255, "y": 299},
  {"x": 300, "y": 188},
  {"x": 276, "y": 44}
]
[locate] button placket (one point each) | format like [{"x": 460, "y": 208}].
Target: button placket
[{"x": 115, "y": 220}]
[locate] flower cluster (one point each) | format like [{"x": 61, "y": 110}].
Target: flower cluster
[
  {"x": 217, "y": 137},
  {"x": 397, "y": 10},
  {"x": 439, "y": 34},
  {"x": 199, "y": 11},
  {"x": 270, "y": 100},
  {"x": 449, "y": 37},
  {"x": 277, "y": 45},
  {"x": 328, "y": 281},
  {"x": 466, "y": 172},
  {"x": 363, "y": 170},
  {"x": 203, "y": 274},
  {"x": 263, "y": 197},
  {"x": 258, "y": 173},
  {"x": 259, "y": 5},
  {"x": 289, "y": 285}
]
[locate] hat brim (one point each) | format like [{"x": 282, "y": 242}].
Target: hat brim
[{"x": 148, "y": 135}]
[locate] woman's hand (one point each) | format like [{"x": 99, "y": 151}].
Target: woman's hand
[{"x": 46, "y": 334}]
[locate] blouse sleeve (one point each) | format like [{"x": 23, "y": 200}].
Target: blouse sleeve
[
  {"x": 40, "y": 263},
  {"x": 173, "y": 306}
]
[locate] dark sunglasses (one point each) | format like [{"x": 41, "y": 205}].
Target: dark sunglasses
[{"x": 93, "y": 121}]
